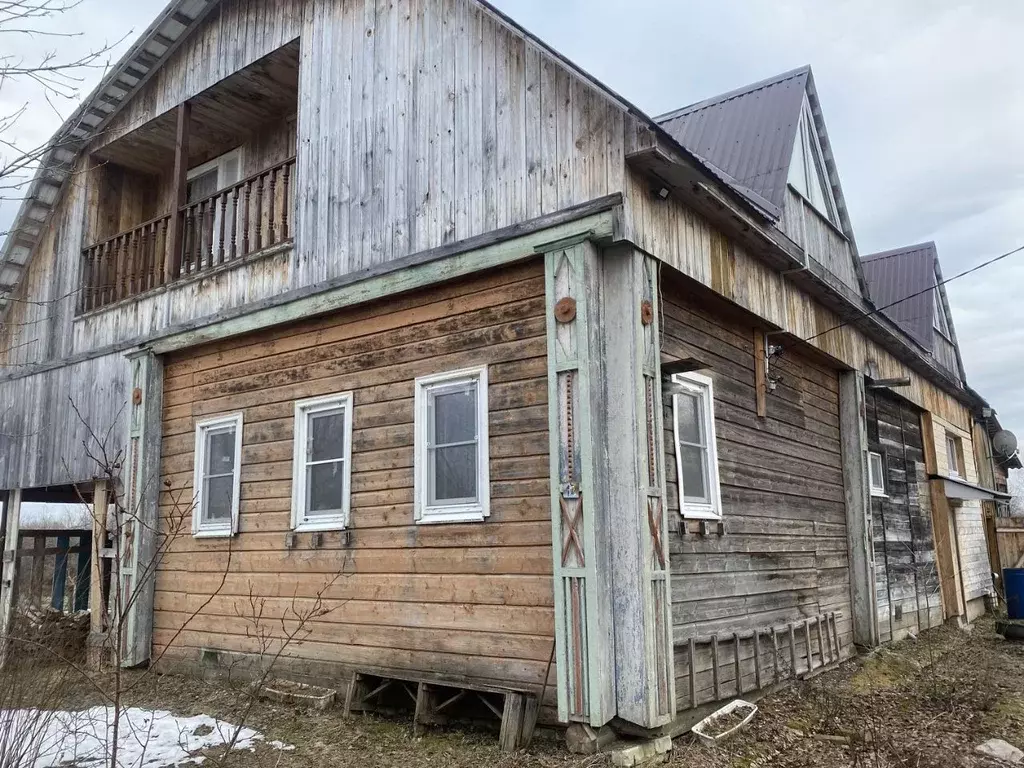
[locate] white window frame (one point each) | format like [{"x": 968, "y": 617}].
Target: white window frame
[
  {"x": 703, "y": 387},
  {"x": 452, "y": 513},
  {"x": 201, "y": 528},
  {"x": 876, "y": 482},
  {"x": 303, "y": 410},
  {"x": 813, "y": 155},
  {"x": 220, "y": 163},
  {"x": 953, "y": 467},
  {"x": 939, "y": 320}
]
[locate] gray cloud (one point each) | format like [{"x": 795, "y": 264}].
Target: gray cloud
[{"x": 924, "y": 103}]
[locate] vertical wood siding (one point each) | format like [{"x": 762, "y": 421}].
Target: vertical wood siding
[
  {"x": 783, "y": 556},
  {"x": 906, "y": 576},
  {"x": 463, "y": 599},
  {"x": 822, "y": 242}
]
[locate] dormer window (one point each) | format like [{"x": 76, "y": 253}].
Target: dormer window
[{"x": 807, "y": 174}]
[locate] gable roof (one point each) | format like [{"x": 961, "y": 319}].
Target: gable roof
[
  {"x": 176, "y": 22},
  {"x": 749, "y": 133},
  {"x": 900, "y": 282},
  {"x": 117, "y": 87}
]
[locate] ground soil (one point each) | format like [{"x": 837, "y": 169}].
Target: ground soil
[{"x": 920, "y": 703}]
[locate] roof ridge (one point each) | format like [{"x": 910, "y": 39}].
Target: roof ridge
[
  {"x": 735, "y": 93},
  {"x": 926, "y": 245}
]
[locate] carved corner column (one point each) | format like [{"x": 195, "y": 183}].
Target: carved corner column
[
  {"x": 584, "y": 641},
  {"x": 139, "y": 510}
]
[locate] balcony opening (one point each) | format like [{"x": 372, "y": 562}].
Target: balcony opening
[{"x": 146, "y": 228}]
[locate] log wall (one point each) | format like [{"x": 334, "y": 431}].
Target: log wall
[
  {"x": 783, "y": 554},
  {"x": 906, "y": 577},
  {"x": 461, "y": 600}
]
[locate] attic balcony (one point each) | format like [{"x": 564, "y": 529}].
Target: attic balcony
[{"x": 195, "y": 190}]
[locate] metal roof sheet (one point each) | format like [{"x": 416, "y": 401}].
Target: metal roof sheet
[
  {"x": 895, "y": 275},
  {"x": 749, "y": 133}
]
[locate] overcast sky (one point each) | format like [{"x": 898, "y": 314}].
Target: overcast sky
[{"x": 923, "y": 99}]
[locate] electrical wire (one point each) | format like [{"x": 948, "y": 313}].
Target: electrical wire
[{"x": 918, "y": 293}]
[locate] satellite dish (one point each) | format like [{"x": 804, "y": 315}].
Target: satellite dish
[{"x": 1004, "y": 442}]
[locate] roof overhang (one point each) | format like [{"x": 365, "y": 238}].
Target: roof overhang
[
  {"x": 56, "y": 164},
  {"x": 956, "y": 488},
  {"x": 758, "y": 235}
]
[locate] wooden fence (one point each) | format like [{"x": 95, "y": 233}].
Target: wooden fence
[{"x": 717, "y": 667}]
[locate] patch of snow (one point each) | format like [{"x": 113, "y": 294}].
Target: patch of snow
[{"x": 146, "y": 738}]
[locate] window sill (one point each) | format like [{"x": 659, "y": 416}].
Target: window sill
[
  {"x": 320, "y": 526},
  {"x": 700, "y": 514},
  {"x": 878, "y": 495},
  {"x": 213, "y": 533},
  {"x": 440, "y": 515}
]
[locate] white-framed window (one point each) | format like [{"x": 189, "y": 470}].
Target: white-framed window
[
  {"x": 953, "y": 456},
  {"x": 203, "y": 181},
  {"x": 693, "y": 409},
  {"x": 217, "y": 476},
  {"x": 452, "y": 480},
  {"x": 876, "y": 474},
  {"x": 807, "y": 172},
  {"x": 322, "y": 463},
  {"x": 939, "y": 321}
]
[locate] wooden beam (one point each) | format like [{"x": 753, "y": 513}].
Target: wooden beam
[
  {"x": 596, "y": 220},
  {"x": 9, "y": 584},
  {"x": 761, "y": 372},
  {"x": 172, "y": 258},
  {"x": 860, "y": 541},
  {"x": 141, "y": 501}
]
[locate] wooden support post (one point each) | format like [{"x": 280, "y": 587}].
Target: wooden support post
[
  {"x": 83, "y": 573},
  {"x": 943, "y": 529},
  {"x": 693, "y": 672},
  {"x": 172, "y": 258},
  {"x": 512, "y": 722},
  {"x": 97, "y": 607},
  {"x": 757, "y": 659},
  {"x": 853, "y": 436},
  {"x": 761, "y": 372},
  {"x": 630, "y": 443},
  {"x": 9, "y": 585},
  {"x": 142, "y": 494},
  {"x": 739, "y": 667},
  {"x": 60, "y": 573},
  {"x": 580, "y": 534}
]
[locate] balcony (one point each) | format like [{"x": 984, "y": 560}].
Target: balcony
[
  {"x": 196, "y": 189},
  {"x": 248, "y": 217}
]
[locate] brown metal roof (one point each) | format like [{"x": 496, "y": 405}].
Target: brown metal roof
[
  {"x": 749, "y": 133},
  {"x": 895, "y": 275}
]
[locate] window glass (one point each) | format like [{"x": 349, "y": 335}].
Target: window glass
[
  {"x": 321, "y": 470},
  {"x": 451, "y": 447},
  {"x": 952, "y": 455},
  {"x": 217, "y": 476},
  {"x": 876, "y": 473},
  {"x": 696, "y": 453}
]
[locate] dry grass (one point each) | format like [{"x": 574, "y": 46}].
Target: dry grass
[{"x": 918, "y": 704}]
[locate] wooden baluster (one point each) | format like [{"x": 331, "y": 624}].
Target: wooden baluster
[
  {"x": 259, "y": 213},
  {"x": 273, "y": 206},
  {"x": 286, "y": 203},
  {"x": 115, "y": 269},
  {"x": 165, "y": 250},
  {"x": 188, "y": 225},
  {"x": 245, "y": 220},
  {"x": 223, "y": 224},
  {"x": 211, "y": 232},
  {"x": 138, "y": 243},
  {"x": 200, "y": 232},
  {"x": 234, "y": 221},
  {"x": 83, "y": 297}
]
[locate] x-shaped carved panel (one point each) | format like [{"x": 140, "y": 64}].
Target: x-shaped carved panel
[
  {"x": 572, "y": 517},
  {"x": 654, "y": 521}
]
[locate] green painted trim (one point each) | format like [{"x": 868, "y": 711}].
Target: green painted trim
[{"x": 400, "y": 276}]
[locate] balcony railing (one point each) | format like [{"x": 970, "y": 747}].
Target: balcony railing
[{"x": 234, "y": 222}]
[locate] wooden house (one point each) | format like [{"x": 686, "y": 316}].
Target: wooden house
[{"x": 541, "y": 396}]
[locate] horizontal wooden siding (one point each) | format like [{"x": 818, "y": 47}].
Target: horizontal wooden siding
[{"x": 450, "y": 601}]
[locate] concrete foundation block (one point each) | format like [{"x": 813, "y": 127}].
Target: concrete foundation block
[{"x": 649, "y": 752}]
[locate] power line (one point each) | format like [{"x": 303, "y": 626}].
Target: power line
[{"x": 919, "y": 293}]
